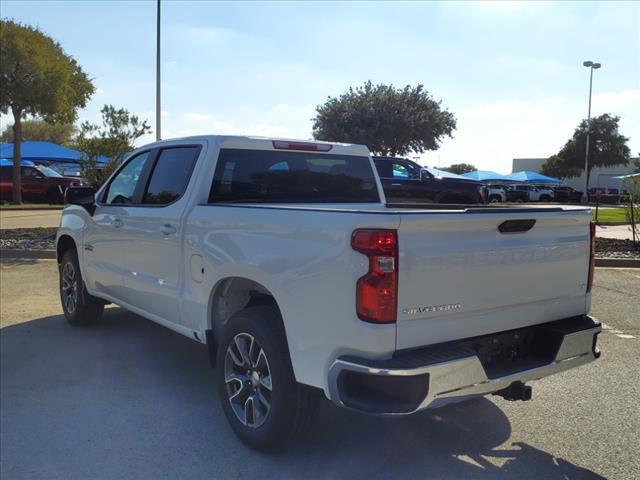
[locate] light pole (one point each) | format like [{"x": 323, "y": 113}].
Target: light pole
[
  {"x": 158, "y": 112},
  {"x": 592, "y": 66}
]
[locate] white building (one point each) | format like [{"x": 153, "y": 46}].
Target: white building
[{"x": 600, "y": 177}]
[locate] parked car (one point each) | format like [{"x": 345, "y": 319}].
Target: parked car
[
  {"x": 512, "y": 194},
  {"x": 535, "y": 193},
  {"x": 284, "y": 259},
  {"x": 567, "y": 194},
  {"x": 496, "y": 193},
  {"x": 604, "y": 195},
  {"x": 405, "y": 181},
  {"x": 38, "y": 184}
]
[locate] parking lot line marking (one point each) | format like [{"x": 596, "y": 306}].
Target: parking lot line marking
[{"x": 624, "y": 335}]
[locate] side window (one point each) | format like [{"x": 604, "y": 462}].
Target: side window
[
  {"x": 400, "y": 171},
  {"x": 123, "y": 186},
  {"x": 170, "y": 175},
  {"x": 30, "y": 172}
]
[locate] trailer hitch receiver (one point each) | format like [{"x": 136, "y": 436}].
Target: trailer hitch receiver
[{"x": 515, "y": 391}]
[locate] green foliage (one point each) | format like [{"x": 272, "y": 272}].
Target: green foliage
[
  {"x": 556, "y": 167},
  {"x": 41, "y": 131},
  {"x": 460, "y": 168},
  {"x": 390, "y": 121},
  {"x": 37, "y": 78},
  {"x": 636, "y": 165},
  {"x": 607, "y": 148},
  {"x": 114, "y": 138}
]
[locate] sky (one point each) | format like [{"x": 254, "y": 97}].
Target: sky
[{"x": 510, "y": 72}]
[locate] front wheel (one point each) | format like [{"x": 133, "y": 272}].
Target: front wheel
[
  {"x": 259, "y": 394},
  {"x": 79, "y": 307}
]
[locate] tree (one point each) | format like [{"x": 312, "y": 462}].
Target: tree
[
  {"x": 388, "y": 120},
  {"x": 37, "y": 78},
  {"x": 607, "y": 148},
  {"x": 113, "y": 139},
  {"x": 460, "y": 168},
  {"x": 636, "y": 165},
  {"x": 41, "y": 131},
  {"x": 556, "y": 167}
]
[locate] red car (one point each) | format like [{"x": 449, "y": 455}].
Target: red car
[{"x": 39, "y": 184}]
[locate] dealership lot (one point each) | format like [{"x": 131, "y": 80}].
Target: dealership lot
[{"x": 130, "y": 399}]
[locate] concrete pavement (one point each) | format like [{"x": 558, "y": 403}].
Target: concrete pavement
[
  {"x": 29, "y": 218},
  {"x": 130, "y": 399},
  {"x": 620, "y": 232}
]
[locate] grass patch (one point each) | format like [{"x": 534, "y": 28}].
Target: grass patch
[
  {"x": 30, "y": 206},
  {"x": 610, "y": 214}
]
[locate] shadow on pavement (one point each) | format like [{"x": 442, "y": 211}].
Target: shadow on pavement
[{"x": 130, "y": 399}]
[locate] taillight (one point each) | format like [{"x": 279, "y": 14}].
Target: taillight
[
  {"x": 303, "y": 146},
  {"x": 377, "y": 290},
  {"x": 592, "y": 255}
]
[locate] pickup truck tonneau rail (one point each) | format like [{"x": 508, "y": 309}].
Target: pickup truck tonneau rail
[{"x": 285, "y": 259}]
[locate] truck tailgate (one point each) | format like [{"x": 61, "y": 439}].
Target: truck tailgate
[{"x": 460, "y": 276}]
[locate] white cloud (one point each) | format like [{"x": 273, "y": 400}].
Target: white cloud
[
  {"x": 99, "y": 91},
  {"x": 490, "y": 135}
]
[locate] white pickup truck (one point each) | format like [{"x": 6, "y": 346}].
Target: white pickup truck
[{"x": 285, "y": 260}]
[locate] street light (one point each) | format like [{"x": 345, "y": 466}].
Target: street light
[{"x": 592, "y": 66}]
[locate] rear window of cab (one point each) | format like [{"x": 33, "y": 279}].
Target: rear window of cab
[{"x": 265, "y": 176}]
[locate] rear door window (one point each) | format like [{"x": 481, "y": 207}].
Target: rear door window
[
  {"x": 170, "y": 175},
  {"x": 264, "y": 176}
]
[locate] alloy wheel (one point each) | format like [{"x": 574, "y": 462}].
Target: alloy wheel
[
  {"x": 69, "y": 287},
  {"x": 248, "y": 380}
]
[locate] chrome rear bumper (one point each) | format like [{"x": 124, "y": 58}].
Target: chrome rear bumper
[{"x": 453, "y": 372}]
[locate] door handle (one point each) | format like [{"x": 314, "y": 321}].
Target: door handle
[
  {"x": 167, "y": 229},
  {"x": 396, "y": 184},
  {"x": 116, "y": 222}
]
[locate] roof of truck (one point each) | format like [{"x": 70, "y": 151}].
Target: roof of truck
[{"x": 268, "y": 143}]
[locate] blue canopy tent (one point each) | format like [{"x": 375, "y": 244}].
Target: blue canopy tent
[
  {"x": 486, "y": 176},
  {"x": 46, "y": 152},
  {"x": 532, "y": 177},
  {"x": 631, "y": 175}
]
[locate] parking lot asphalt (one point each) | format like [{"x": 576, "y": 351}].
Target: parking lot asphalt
[{"x": 129, "y": 399}]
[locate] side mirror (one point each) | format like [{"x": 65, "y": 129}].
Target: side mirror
[{"x": 82, "y": 196}]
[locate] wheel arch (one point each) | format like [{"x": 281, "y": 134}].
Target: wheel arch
[
  {"x": 229, "y": 296},
  {"x": 64, "y": 243}
]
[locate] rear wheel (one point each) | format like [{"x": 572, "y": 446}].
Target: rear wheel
[
  {"x": 259, "y": 394},
  {"x": 79, "y": 307}
]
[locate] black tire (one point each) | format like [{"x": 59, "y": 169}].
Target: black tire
[
  {"x": 495, "y": 199},
  {"x": 78, "y": 306},
  {"x": 290, "y": 405},
  {"x": 519, "y": 200}
]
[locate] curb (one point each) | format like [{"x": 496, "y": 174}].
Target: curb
[
  {"x": 618, "y": 262},
  {"x": 18, "y": 253}
]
